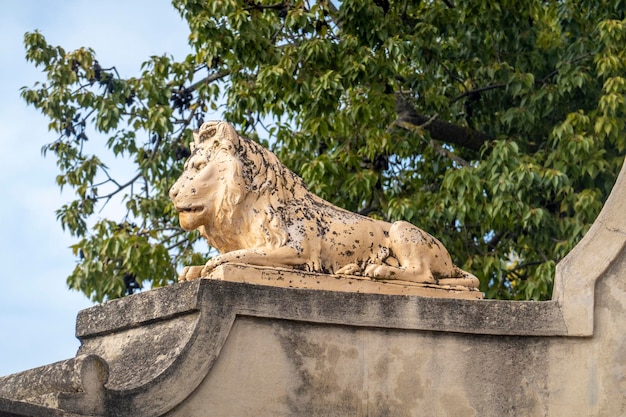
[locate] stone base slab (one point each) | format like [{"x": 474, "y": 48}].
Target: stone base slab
[{"x": 288, "y": 278}]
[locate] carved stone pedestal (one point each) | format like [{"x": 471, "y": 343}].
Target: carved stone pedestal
[{"x": 289, "y": 278}]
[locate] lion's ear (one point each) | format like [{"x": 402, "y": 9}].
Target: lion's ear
[{"x": 206, "y": 132}]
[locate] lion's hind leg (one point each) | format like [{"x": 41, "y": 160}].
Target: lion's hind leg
[
  {"x": 415, "y": 272},
  {"x": 414, "y": 250},
  {"x": 460, "y": 278},
  {"x": 423, "y": 259}
]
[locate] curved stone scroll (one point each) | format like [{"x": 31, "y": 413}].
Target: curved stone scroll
[
  {"x": 76, "y": 385},
  {"x": 577, "y": 274},
  {"x": 255, "y": 211}
]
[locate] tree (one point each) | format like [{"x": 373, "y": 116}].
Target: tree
[{"x": 496, "y": 126}]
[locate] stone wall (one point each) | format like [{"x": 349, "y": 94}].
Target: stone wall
[{"x": 220, "y": 348}]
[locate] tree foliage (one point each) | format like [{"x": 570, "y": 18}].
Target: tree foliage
[{"x": 496, "y": 126}]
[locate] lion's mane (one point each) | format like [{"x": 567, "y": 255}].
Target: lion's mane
[{"x": 260, "y": 182}]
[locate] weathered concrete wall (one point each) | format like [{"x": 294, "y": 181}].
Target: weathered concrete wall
[
  {"x": 284, "y": 368},
  {"x": 212, "y": 348},
  {"x": 219, "y": 348}
]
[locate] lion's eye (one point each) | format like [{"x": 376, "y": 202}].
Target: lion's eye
[
  {"x": 196, "y": 162},
  {"x": 199, "y": 164}
]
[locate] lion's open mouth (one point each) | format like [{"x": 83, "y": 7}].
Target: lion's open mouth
[
  {"x": 196, "y": 209},
  {"x": 191, "y": 217}
]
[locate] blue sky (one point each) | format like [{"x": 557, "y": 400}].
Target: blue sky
[{"x": 37, "y": 310}]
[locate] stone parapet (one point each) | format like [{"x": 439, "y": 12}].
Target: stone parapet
[{"x": 236, "y": 346}]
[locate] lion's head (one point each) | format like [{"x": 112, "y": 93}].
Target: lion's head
[
  {"x": 211, "y": 180},
  {"x": 232, "y": 188}
]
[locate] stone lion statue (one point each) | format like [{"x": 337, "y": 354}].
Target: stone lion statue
[{"x": 254, "y": 210}]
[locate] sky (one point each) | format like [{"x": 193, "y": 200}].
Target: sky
[{"x": 37, "y": 310}]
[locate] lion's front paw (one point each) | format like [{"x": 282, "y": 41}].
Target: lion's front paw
[
  {"x": 350, "y": 269},
  {"x": 190, "y": 272},
  {"x": 182, "y": 277},
  {"x": 211, "y": 265}
]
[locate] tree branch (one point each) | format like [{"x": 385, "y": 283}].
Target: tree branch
[
  {"x": 477, "y": 91},
  {"x": 441, "y": 130},
  {"x": 556, "y": 71},
  {"x": 440, "y": 149},
  {"x": 275, "y": 6},
  {"x": 524, "y": 265},
  {"x": 449, "y": 4},
  {"x": 208, "y": 79}
]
